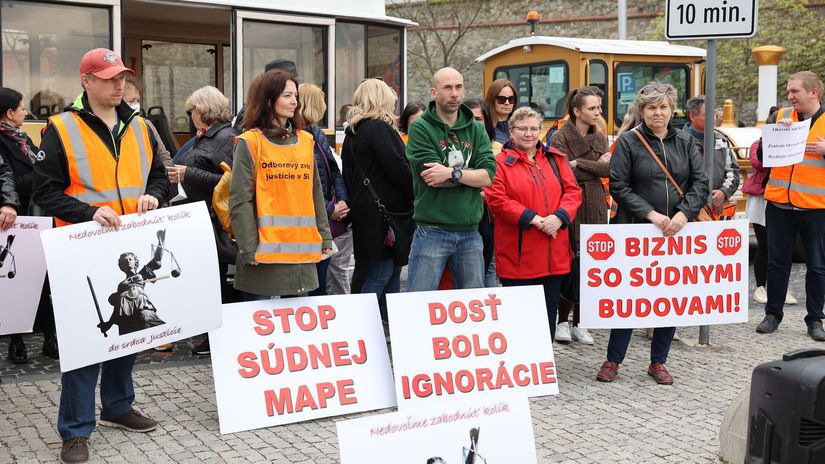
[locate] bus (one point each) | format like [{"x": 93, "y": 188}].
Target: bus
[
  {"x": 544, "y": 69},
  {"x": 178, "y": 46}
]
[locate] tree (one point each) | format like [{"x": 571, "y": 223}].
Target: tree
[
  {"x": 442, "y": 26},
  {"x": 787, "y": 23}
]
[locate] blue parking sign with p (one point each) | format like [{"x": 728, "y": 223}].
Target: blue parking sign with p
[{"x": 627, "y": 84}]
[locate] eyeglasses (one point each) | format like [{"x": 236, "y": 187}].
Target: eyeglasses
[
  {"x": 664, "y": 87},
  {"x": 525, "y": 129},
  {"x": 501, "y": 99}
]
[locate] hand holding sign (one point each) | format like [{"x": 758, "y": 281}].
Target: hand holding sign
[
  {"x": 817, "y": 148},
  {"x": 784, "y": 143}
]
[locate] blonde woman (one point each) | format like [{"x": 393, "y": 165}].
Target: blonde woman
[
  {"x": 373, "y": 149},
  {"x": 313, "y": 107}
]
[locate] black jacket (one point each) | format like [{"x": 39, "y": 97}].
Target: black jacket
[
  {"x": 203, "y": 162},
  {"x": 51, "y": 173},
  {"x": 8, "y": 194},
  {"x": 638, "y": 184},
  {"x": 21, "y": 167},
  {"x": 331, "y": 180},
  {"x": 380, "y": 153}
]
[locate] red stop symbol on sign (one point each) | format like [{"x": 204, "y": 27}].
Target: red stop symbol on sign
[
  {"x": 729, "y": 241},
  {"x": 600, "y": 246}
]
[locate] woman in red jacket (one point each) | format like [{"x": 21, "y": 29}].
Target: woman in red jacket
[{"x": 534, "y": 197}]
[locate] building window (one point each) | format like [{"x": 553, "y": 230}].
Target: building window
[
  {"x": 541, "y": 86},
  {"x": 598, "y": 78},
  {"x": 41, "y": 58},
  {"x": 363, "y": 51}
]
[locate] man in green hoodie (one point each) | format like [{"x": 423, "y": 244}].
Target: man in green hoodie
[{"x": 451, "y": 160}]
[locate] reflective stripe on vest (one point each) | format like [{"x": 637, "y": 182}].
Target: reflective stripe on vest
[
  {"x": 802, "y": 184},
  {"x": 284, "y": 177},
  {"x": 96, "y": 176}
]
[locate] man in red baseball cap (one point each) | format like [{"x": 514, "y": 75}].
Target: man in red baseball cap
[{"x": 99, "y": 133}]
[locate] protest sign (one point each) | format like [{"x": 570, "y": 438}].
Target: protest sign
[
  {"x": 282, "y": 361},
  {"x": 118, "y": 292},
  {"x": 458, "y": 343},
  {"x": 632, "y": 276},
  {"x": 22, "y": 270},
  {"x": 494, "y": 429},
  {"x": 784, "y": 145}
]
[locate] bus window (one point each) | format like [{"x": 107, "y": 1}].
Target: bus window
[
  {"x": 227, "y": 72},
  {"x": 306, "y": 45},
  {"x": 630, "y": 77},
  {"x": 365, "y": 51},
  {"x": 597, "y": 77},
  {"x": 541, "y": 86},
  {"x": 171, "y": 72},
  {"x": 41, "y": 58}
]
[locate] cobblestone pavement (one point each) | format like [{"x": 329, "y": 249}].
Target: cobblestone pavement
[{"x": 631, "y": 420}]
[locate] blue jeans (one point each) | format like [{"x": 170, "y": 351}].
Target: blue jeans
[
  {"x": 434, "y": 247},
  {"x": 380, "y": 277},
  {"x": 659, "y": 346},
  {"x": 552, "y": 288},
  {"x": 782, "y": 226},
  {"x": 76, "y": 414},
  {"x": 321, "y": 268},
  {"x": 490, "y": 275}
]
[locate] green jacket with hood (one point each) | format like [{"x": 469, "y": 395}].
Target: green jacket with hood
[{"x": 456, "y": 208}]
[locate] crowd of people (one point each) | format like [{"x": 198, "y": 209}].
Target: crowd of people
[{"x": 466, "y": 193}]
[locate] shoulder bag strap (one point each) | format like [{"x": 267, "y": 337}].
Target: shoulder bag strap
[
  {"x": 381, "y": 208},
  {"x": 555, "y": 166},
  {"x": 658, "y": 161}
]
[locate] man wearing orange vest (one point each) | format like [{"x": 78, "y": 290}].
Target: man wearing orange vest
[
  {"x": 98, "y": 162},
  {"x": 796, "y": 204}
]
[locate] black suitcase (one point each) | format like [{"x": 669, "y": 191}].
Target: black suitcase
[{"x": 787, "y": 410}]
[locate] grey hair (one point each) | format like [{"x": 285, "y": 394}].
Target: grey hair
[
  {"x": 521, "y": 114},
  {"x": 695, "y": 104}
]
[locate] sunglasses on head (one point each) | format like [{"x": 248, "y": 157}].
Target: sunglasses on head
[
  {"x": 661, "y": 88},
  {"x": 501, "y": 99}
]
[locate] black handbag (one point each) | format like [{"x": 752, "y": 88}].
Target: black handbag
[
  {"x": 400, "y": 226},
  {"x": 227, "y": 249}
]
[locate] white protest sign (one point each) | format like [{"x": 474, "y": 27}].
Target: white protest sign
[
  {"x": 632, "y": 276},
  {"x": 711, "y": 19},
  {"x": 461, "y": 343},
  {"x": 295, "y": 359},
  {"x": 784, "y": 145},
  {"x": 152, "y": 282},
  {"x": 496, "y": 429},
  {"x": 22, "y": 270}
]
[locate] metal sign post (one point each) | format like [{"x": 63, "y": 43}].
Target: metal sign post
[{"x": 710, "y": 20}]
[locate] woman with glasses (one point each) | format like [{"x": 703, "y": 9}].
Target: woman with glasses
[
  {"x": 534, "y": 198},
  {"x": 645, "y": 195},
  {"x": 501, "y": 99},
  {"x": 276, "y": 203},
  {"x": 586, "y": 150}
]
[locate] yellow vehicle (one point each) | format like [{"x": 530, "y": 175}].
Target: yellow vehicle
[{"x": 544, "y": 69}]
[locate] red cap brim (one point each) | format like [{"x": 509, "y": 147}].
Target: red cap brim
[{"x": 112, "y": 71}]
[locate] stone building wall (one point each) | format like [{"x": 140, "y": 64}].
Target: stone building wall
[{"x": 506, "y": 20}]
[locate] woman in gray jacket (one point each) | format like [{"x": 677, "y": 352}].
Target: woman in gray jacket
[{"x": 645, "y": 195}]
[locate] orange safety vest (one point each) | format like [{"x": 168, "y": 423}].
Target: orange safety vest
[
  {"x": 97, "y": 177},
  {"x": 405, "y": 138},
  {"x": 802, "y": 184},
  {"x": 284, "y": 174}
]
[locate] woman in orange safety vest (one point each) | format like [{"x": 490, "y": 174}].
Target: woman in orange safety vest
[{"x": 276, "y": 201}]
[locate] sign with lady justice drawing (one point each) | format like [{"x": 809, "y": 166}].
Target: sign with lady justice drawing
[
  {"x": 22, "y": 270},
  {"x": 118, "y": 292}
]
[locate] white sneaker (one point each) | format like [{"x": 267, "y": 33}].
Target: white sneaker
[
  {"x": 676, "y": 337},
  {"x": 581, "y": 335},
  {"x": 760, "y": 295},
  {"x": 563, "y": 332},
  {"x": 790, "y": 299}
]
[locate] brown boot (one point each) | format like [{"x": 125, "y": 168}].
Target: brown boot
[{"x": 75, "y": 450}]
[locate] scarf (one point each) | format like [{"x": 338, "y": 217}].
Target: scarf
[{"x": 19, "y": 137}]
